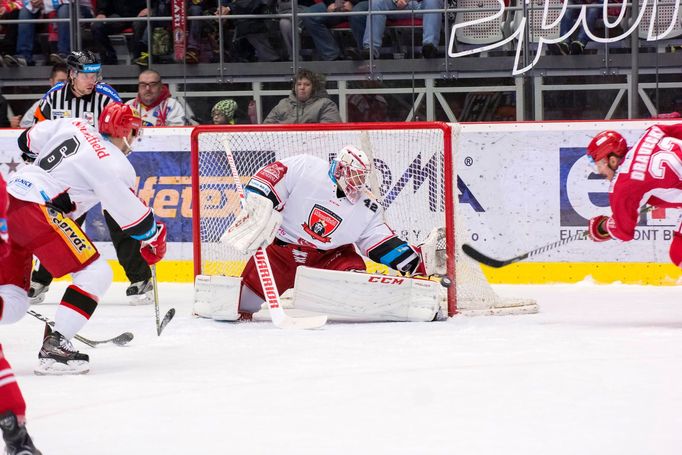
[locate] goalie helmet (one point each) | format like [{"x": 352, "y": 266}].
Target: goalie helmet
[
  {"x": 119, "y": 120},
  {"x": 606, "y": 143},
  {"x": 351, "y": 169}
]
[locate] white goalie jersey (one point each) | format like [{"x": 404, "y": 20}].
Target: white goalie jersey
[
  {"x": 318, "y": 214},
  {"x": 73, "y": 158}
]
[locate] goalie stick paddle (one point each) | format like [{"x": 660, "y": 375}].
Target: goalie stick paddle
[
  {"x": 277, "y": 315},
  {"x": 120, "y": 340},
  {"x": 160, "y": 323}
]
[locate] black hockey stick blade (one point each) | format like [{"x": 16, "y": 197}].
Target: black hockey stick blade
[
  {"x": 166, "y": 319},
  {"x": 120, "y": 340},
  {"x": 477, "y": 256}
]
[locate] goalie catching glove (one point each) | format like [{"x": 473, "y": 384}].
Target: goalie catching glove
[
  {"x": 432, "y": 254},
  {"x": 154, "y": 248},
  {"x": 255, "y": 226}
]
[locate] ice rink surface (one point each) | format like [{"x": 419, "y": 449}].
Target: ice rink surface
[{"x": 597, "y": 371}]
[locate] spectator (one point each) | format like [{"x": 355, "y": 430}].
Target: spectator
[
  {"x": 59, "y": 74},
  {"x": 308, "y": 102},
  {"x": 253, "y": 30},
  {"x": 432, "y": 23},
  {"x": 366, "y": 107},
  {"x": 102, "y": 30},
  {"x": 575, "y": 44},
  {"x": 154, "y": 102},
  {"x": 319, "y": 26},
  {"x": 32, "y": 10},
  {"x": 4, "y": 112},
  {"x": 286, "y": 27},
  {"x": 161, "y": 39},
  {"x": 223, "y": 112},
  {"x": 9, "y": 10}
]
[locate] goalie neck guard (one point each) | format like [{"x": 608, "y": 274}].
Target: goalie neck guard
[{"x": 350, "y": 170}]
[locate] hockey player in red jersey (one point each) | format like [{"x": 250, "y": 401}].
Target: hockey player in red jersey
[
  {"x": 12, "y": 405},
  {"x": 650, "y": 173},
  {"x": 308, "y": 212},
  {"x": 74, "y": 168}
]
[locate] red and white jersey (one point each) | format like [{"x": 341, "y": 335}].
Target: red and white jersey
[
  {"x": 74, "y": 157},
  {"x": 313, "y": 213},
  {"x": 650, "y": 174}
]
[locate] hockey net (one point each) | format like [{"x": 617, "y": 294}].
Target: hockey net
[{"x": 413, "y": 180}]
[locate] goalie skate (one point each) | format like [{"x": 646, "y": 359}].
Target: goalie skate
[{"x": 58, "y": 357}]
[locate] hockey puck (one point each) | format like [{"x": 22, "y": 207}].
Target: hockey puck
[{"x": 445, "y": 282}]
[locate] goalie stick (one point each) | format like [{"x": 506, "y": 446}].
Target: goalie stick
[
  {"x": 277, "y": 315},
  {"x": 484, "y": 259},
  {"x": 120, "y": 340},
  {"x": 160, "y": 324}
]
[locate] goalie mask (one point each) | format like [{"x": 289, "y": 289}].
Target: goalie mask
[{"x": 350, "y": 170}]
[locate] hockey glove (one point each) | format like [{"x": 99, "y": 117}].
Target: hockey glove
[
  {"x": 154, "y": 249},
  {"x": 597, "y": 229},
  {"x": 255, "y": 226}
]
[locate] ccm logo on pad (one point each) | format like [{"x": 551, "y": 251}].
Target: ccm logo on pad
[{"x": 386, "y": 280}]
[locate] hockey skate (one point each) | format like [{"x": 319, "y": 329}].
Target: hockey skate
[
  {"x": 17, "y": 440},
  {"x": 58, "y": 357},
  {"x": 37, "y": 292},
  {"x": 141, "y": 292}
]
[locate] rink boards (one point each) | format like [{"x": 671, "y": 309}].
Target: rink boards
[{"x": 520, "y": 186}]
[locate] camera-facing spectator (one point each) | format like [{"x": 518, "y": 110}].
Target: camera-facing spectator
[
  {"x": 308, "y": 102},
  {"x": 223, "y": 112},
  {"x": 154, "y": 102}
]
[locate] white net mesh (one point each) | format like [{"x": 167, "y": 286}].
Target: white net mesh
[{"x": 409, "y": 181}]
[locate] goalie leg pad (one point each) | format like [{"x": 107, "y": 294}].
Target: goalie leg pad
[
  {"x": 366, "y": 297},
  {"x": 217, "y": 297}
]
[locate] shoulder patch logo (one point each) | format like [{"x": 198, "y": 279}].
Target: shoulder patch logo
[
  {"x": 272, "y": 173},
  {"x": 322, "y": 222}
]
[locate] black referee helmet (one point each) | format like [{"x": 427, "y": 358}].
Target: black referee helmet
[{"x": 83, "y": 62}]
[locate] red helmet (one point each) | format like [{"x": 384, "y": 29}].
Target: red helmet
[
  {"x": 607, "y": 143},
  {"x": 118, "y": 120}
]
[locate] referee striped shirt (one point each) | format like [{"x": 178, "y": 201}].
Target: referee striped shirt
[{"x": 60, "y": 102}]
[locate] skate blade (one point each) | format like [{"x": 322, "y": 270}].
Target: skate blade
[{"x": 50, "y": 367}]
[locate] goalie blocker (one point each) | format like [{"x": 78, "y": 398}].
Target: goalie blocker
[{"x": 349, "y": 296}]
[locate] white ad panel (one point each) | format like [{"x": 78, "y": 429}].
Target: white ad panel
[{"x": 523, "y": 185}]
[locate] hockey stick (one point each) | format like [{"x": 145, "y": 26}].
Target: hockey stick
[
  {"x": 120, "y": 340},
  {"x": 160, "y": 324},
  {"x": 484, "y": 259},
  {"x": 477, "y": 256},
  {"x": 279, "y": 317}
]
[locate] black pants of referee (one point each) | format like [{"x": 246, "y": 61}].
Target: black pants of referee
[{"x": 127, "y": 251}]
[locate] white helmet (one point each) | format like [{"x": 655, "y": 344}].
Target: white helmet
[{"x": 351, "y": 168}]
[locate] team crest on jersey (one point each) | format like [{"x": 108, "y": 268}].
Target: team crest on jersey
[{"x": 321, "y": 223}]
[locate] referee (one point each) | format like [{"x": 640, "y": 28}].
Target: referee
[{"x": 83, "y": 95}]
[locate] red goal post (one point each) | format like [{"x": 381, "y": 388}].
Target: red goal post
[{"x": 414, "y": 180}]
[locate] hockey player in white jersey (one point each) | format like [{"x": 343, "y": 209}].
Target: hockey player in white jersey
[
  {"x": 310, "y": 213},
  {"x": 74, "y": 168}
]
